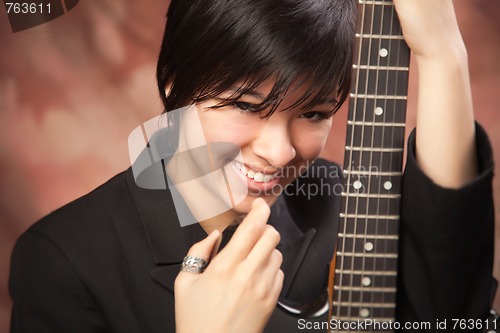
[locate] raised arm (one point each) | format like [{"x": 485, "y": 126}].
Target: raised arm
[
  {"x": 446, "y": 231},
  {"x": 445, "y": 140}
]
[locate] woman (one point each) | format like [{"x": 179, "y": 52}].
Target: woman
[{"x": 267, "y": 76}]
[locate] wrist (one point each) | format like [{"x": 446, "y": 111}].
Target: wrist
[{"x": 453, "y": 55}]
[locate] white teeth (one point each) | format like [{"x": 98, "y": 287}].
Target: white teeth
[
  {"x": 258, "y": 177},
  {"x": 268, "y": 178}
]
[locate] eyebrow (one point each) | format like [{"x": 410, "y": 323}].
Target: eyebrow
[
  {"x": 251, "y": 93},
  {"x": 327, "y": 101},
  {"x": 258, "y": 95}
]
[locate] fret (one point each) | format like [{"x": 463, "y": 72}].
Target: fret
[
  {"x": 378, "y": 305},
  {"x": 367, "y": 289},
  {"x": 358, "y": 280},
  {"x": 367, "y": 255},
  {"x": 375, "y": 161},
  {"x": 372, "y": 217},
  {"x": 372, "y": 206},
  {"x": 372, "y": 36},
  {"x": 385, "y": 150},
  {"x": 374, "y": 174},
  {"x": 369, "y": 264},
  {"x": 367, "y": 195},
  {"x": 364, "y": 296},
  {"x": 378, "y": 246},
  {"x": 380, "y": 68},
  {"x": 368, "y": 227},
  {"x": 367, "y": 237},
  {"x": 369, "y": 123},
  {"x": 353, "y": 95},
  {"x": 379, "y": 82},
  {"x": 393, "y": 111},
  {"x": 367, "y": 273},
  {"x": 382, "y": 3}
]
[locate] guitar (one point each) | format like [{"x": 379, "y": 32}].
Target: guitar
[{"x": 364, "y": 270}]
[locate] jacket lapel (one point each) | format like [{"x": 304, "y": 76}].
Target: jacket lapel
[{"x": 168, "y": 241}]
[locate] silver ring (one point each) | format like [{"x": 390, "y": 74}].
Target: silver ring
[{"x": 193, "y": 264}]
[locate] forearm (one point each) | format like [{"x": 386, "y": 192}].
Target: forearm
[
  {"x": 445, "y": 147},
  {"x": 445, "y": 141}
]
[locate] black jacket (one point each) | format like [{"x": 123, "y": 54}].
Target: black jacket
[{"x": 107, "y": 261}]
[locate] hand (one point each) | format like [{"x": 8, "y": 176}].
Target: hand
[
  {"x": 240, "y": 287},
  {"x": 430, "y": 28}
]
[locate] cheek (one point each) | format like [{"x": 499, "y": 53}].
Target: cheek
[
  {"x": 223, "y": 126},
  {"x": 309, "y": 142}
]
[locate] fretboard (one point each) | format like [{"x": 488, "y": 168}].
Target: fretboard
[{"x": 367, "y": 246}]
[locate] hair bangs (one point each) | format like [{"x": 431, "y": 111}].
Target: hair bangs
[{"x": 212, "y": 47}]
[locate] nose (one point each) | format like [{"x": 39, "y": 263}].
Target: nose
[{"x": 274, "y": 142}]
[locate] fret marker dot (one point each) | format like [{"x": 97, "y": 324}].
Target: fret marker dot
[
  {"x": 383, "y": 52},
  {"x": 379, "y": 111},
  {"x": 387, "y": 185},
  {"x": 366, "y": 281},
  {"x": 364, "y": 312},
  {"x": 357, "y": 185},
  {"x": 368, "y": 246}
]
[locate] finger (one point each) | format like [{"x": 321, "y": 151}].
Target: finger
[
  {"x": 215, "y": 249},
  {"x": 277, "y": 285},
  {"x": 271, "y": 268},
  {"x": 247, "y": 234},
  {"x": 205, "y": 248},
  {"x": 260, "y": 254}
]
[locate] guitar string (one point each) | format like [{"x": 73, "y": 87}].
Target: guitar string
[
  {"x": 375, "y": 104},
  {"x": 399, "y": 45},
  {"x": 390, "y": 178},
  {"x": 352, "y": 166},
  {"x": 366, "y": 87},
  {"x": 394, "y": 25},
  {"x": 373, "y": 41},
  {"x": 340, "y": 263}
]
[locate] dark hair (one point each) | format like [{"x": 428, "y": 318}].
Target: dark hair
[{"x": 211, "y": 45}]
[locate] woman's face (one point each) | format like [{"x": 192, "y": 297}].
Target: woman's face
[{"x": 274, "y": 150}]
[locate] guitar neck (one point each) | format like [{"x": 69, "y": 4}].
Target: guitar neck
[{"x": 364, "y": 285}]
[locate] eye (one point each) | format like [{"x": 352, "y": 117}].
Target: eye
[
  {"x": 316, "y": 115},
  {"x": 246, "y": 107}
]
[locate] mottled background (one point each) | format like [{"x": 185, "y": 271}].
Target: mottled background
[{"x": 73, "y": 89}]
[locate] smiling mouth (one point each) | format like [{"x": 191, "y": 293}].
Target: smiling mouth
[{"x": 257, "y": 176}]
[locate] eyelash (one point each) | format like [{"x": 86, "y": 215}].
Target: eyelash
[
  {"x": 246, "y": 107},
  {"x": 321, "y": 115}
]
